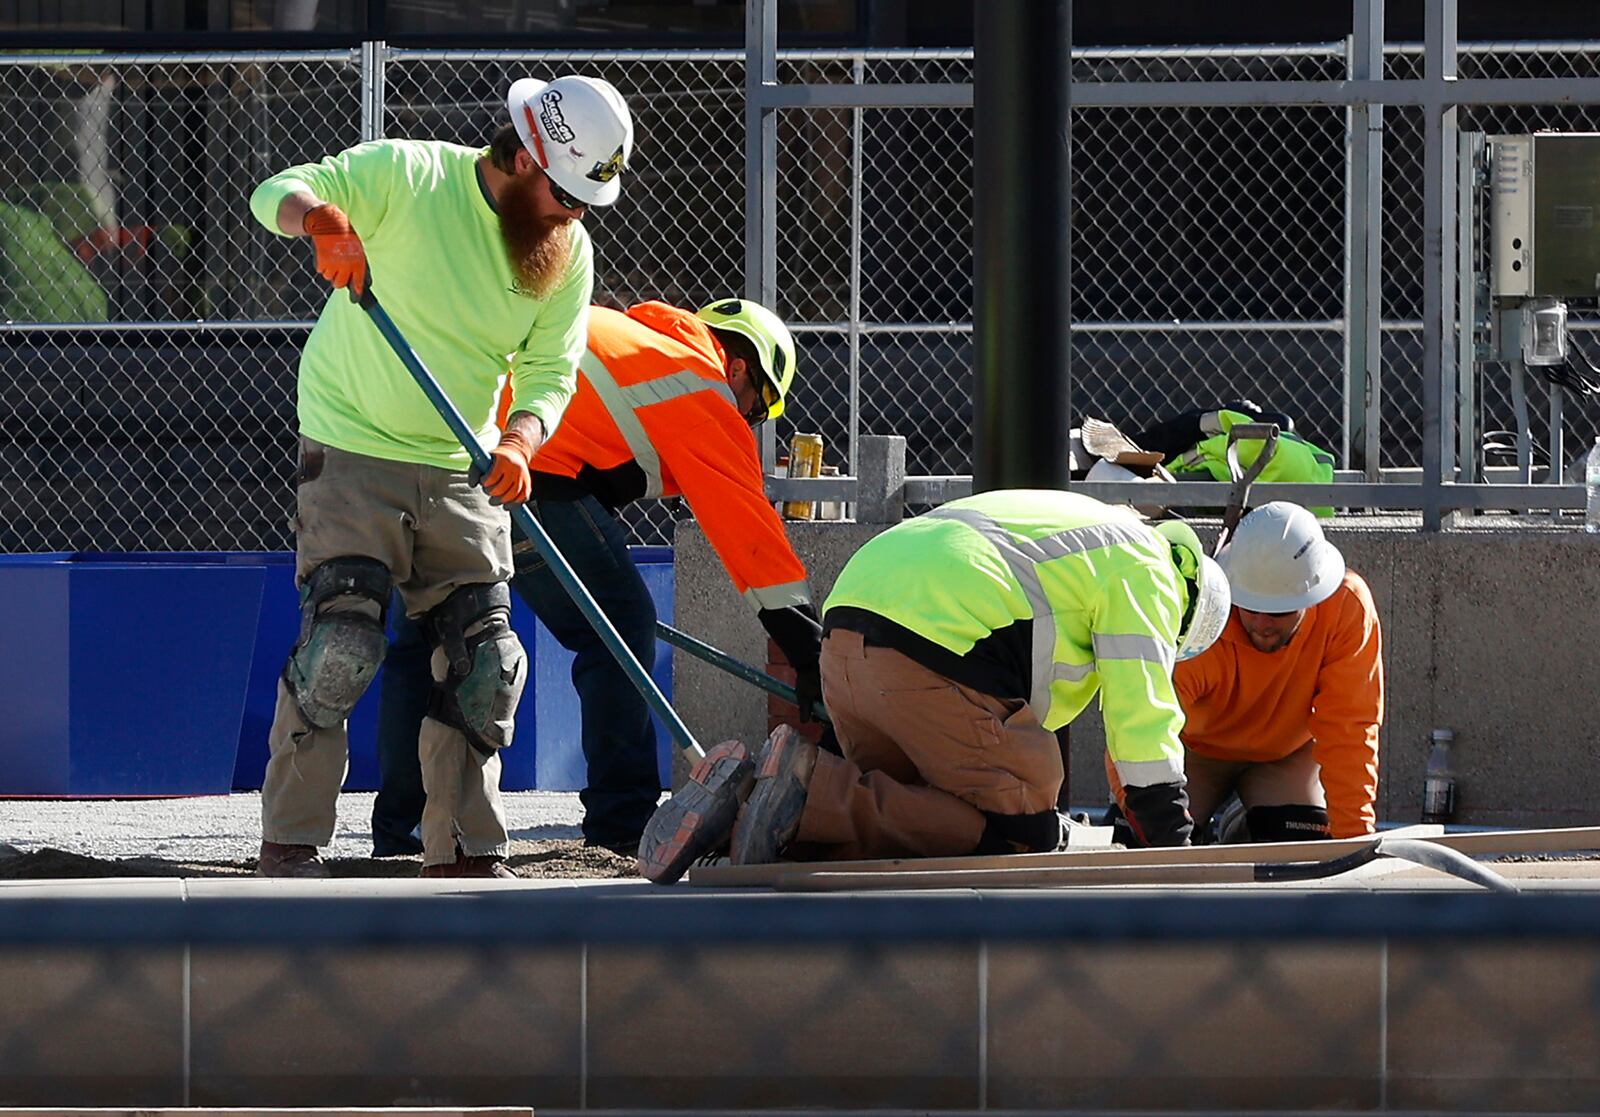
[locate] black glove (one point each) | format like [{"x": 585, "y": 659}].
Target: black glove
[
  {"x": 808, "y": 690},
  {"x": 1158, "y": 815}
]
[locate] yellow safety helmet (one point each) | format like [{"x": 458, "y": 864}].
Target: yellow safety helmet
[{"x": 764, "y": 330}]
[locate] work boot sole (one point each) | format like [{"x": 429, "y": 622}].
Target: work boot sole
[
  {"x": 698, "y": 819},
  {"x": 770, "y": 817},
  {"x": 292, "y": 865}
]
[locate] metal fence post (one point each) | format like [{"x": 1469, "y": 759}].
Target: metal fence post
[
  {"x": 374, "y": 92},
  {"x": 761, "y": 173},
  {"x": 1438, "y": 295},
  {"x": 1363, "y": 303},
  {"x": 858, "y": 72}
]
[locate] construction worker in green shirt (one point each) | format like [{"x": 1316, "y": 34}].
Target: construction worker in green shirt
[
  {"x": 955, "y": 644},
  {"x": 477, "y": 253}
]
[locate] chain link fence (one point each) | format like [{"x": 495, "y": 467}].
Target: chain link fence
[{"x": 154, "y": 326}]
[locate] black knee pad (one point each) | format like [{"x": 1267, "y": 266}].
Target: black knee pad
[
  {"x": 487, "y": 668},
  {"x": 1293, "y": 822},
  {"x": 1020, "y": 833},
  {"x": 338, "y": 651}
]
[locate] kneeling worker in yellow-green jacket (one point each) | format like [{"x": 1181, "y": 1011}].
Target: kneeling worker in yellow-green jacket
[{"x": 955, "y": 644}]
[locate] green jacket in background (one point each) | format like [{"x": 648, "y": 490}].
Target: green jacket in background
[
  {"x": 1099, "y": 589},
  {"x": 1295, "y": 459}
]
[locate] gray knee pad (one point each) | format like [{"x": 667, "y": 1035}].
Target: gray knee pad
[
  {"x": 1295, "y": 822},
  {"x": 341, "y": 644},
  {"x": 486, "y": 667}
]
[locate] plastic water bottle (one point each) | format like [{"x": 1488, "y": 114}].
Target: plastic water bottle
[
  {"x": 1439, "y": 781},
  {"x": 1591, "y": 485}
]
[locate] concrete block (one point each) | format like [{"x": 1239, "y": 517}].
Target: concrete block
[
  {"x": 715, "y": 705},
  {"x": 1495, "y": 1027},
  {"x": 1190, "y": 1026},
  {"x": 761, "y": 1027},
  {"x": 91, "y": 1026},
  {"x": 382, "y": 1027},
  {"x": 881, "y": 474}
]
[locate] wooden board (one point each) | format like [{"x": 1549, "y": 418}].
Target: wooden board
[{"x": 1474, "y": 844}]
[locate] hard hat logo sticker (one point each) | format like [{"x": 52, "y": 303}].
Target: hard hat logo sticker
[
  {"x": 605, "y": 172},
  {"x": 555, "y": 124}
]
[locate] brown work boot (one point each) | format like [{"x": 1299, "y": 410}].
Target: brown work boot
[
  {"x": 485, "y": 867},
  {"x": 698, "y": 819},
  {"x": 770, "y": 818},
  {"x": 279, "y": 860},
  {"x": 488, "y": 865}
]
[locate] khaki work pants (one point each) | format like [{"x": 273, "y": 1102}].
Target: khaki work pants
[
  {"x": 1295, "y": 780},
  {"x": 435, "y": 533},
  {"x": 924, "y": 758}
]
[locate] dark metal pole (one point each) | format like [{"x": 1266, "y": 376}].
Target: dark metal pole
[{"x": 1022, "y": 241}]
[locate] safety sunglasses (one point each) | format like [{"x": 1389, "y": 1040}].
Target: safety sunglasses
[
  {"x": 767, "y": 396},
  {"x": 563, "y": 199}
]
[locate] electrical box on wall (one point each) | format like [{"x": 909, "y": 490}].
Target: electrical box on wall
[{"x": 1545, "y": 217}]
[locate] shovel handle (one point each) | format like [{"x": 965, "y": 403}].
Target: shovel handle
[
  {"x": 1242, "y": 477},
  {"x": 531, "y": 527}
]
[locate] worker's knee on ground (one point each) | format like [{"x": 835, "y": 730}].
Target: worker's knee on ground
[
  {"x": 486, "y": 668},
  {"x": 343, "y": 606},
  {"x": 1293, "y": 822},
  {"x": 1020, "y": 833}
]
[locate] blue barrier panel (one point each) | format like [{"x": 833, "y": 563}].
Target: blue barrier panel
[
  {"x": 124, "y": 675},
  {"x": 547, "y": 753}
]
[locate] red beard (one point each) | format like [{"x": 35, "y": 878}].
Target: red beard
[{"x": 537, "y": 246}]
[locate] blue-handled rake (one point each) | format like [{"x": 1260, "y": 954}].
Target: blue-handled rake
[{"x": 530, "y": 526}]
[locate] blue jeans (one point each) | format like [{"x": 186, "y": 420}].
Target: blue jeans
[{"x": 619, "y": 741}]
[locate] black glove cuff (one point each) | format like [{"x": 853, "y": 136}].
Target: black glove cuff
[
  {"x": 797, "y": 633},
  {"x": 1158, "y": 814}
]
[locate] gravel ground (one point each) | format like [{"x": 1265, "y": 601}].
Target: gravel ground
[{"x": 219, "y": 835}]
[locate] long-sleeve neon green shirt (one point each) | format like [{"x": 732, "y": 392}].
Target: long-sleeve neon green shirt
[{"x": 440, "y": 268}]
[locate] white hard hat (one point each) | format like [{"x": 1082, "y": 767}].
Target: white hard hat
[
  {"x": 578, "y": 130},
  {"x": 1278, "y": 560},
  {"x": 1209, "y": 614}
]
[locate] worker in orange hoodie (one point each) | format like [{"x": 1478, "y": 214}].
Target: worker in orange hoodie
[
  {"x": 1285, "y": 708},
  {"x": 665, "y": 405}
]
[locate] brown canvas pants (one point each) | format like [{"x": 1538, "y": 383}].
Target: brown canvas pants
[
  {"x": 435, "y": 533},
  {"x": 924, "y": 758},
  {"x": 1294, "y": 780}
]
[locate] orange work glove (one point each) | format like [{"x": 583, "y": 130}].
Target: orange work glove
[
  {"x": 508, "y": 479},
  {"x": 340, "y": 257}
]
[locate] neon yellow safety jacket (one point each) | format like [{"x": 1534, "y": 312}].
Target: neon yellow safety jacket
[
  {"x": 1093, "y": 595},
  {"x": 1295, "y": 459}
]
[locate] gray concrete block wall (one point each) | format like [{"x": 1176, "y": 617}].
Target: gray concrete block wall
[{"x": 1489, "y": 633}]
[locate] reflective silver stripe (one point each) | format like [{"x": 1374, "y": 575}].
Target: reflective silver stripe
[
  {"x": 1022, "y": 569},
  {"x": 1071, "y": 672},
  {"x": 623, "y": 403},
  {"x": 1145, "y": 773},
  {"x": 1144, "y": 648},
  {"x": 778, "y": 597},
  {"x": 628, "y": 424},
  {"x": 1022, "y": 557}
]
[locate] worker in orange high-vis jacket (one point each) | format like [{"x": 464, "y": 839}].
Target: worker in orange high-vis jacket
[
  {"x": 1285, "y": 708},
  {"x": 666, "y": 402}
]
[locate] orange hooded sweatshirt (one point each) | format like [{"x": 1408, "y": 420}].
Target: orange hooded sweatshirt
[
  {"x": 1326, "y": 686},
  {"x": 654, "y": 416}
]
